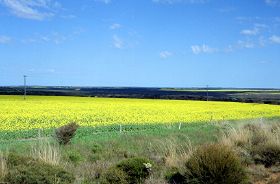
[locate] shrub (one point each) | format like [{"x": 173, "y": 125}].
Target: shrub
[
  {"x": 114, "y": 176},
  {"x": 96, "y": 148},
  {"x": 65, "y": 133},
  {"x": 214, "y": 164},
  {"x": 23, "y": 170},
  {"x": 74, "y": 156},
  {"x": 173, "y": 176},
  {"x": 137, "y": 169},
  {"x": 267, "y": 154}
]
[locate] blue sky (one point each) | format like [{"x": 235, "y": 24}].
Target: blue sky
[{"x": 151, "y": 43}]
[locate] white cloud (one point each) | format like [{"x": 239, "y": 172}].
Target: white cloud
[
  {"x": 272, "y": 2},
  {"x": 275, "y": 39},
  {"x": 115, "y": 26},
  {"x": 118, "y": 42},
  {"x": 250, "y": 32},
  {"x": 32, "y": 9},
  {"x": 180, "y": 1},
  {"x": 245, "y": 44},
  {"x": 198, "y": 49},
  {"x": 104, "y": 1},
  {"x": 255, "y": 30},
  {"x": 5, "y": 39},
  {"x": 165, "y": 54}
]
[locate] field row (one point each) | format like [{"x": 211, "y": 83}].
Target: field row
[{"x": 49, "y": 112}]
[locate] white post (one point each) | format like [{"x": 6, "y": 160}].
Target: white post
[
  {"x": 120, "y": 128},
  {"x": 180, "y": 125}
]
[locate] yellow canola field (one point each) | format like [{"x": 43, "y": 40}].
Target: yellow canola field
[{"x": 47, "y": 112}]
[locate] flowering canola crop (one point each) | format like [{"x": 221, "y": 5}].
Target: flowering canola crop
[{"x": 48, "y": 112}]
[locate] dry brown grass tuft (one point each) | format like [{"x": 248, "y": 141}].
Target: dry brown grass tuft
[
  {"x": 176, "y": 152},
  {"x": 46, "y": 151},
  {"x": 3, "y": 166},
  {"x": 237, "y": 137},
  {"x": 259, "y": 142}
]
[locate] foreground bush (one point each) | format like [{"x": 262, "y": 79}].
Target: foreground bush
[
  {"x": 137, "y": 169},
  {"x": 173, "y": 176},
  {"x": 130, "y": 171},
  {"x": 114, "y": 176},
  {"x": 214, "y": 164},
  {"x": 65, "y": 133},
  {"x": 267, "y": 154},
  {"x": 25, "y": 170}
]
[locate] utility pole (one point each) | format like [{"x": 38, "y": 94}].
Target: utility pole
[
  {"x": 207, "y": 92},
  {"x": 24, "y": 79}
]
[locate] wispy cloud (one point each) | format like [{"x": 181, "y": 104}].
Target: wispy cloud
[
  {"x": 255, "y": 30},
  {"x": 52, "y": 37},
  {"x": 5, "y": 39},
  {"x": 272, "y": 2},
  {"x": 226, "y": 9},
  {"x": 41, "y": 71},
  {"x": 165, "y": 54},
  {"x": 275, "y": 39},
  {"x": 180, "y": 1},
  {"x": 118, "y": 42},
  {"x": 250, "y": 32},
  {"x": 32, "y": 9},
  {"x": 199, "y": 49},
  {"x": 245, "y": 44},
  {"x": 103, "y": 1},
  {"x": 263, "y": 62},
  {"x": 115, "y": 26}
]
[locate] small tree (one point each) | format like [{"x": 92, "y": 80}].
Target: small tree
[{"x": 65, "y": 133}]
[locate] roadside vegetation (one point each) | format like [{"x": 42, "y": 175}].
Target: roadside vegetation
[{"x": 244, "y": 152}]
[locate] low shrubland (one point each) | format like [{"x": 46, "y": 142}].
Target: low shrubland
[{"x": 201, "y": 153}]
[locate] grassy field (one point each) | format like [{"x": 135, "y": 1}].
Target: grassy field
[{"x": 41, "y": 112}]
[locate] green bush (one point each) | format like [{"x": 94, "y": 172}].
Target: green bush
[
  {"x": 114, "y": 176},
  {"x": 74, "y": 156},
  {"x": 214, "y": 164},
  {"x": 25, "y": 170},
  {"x": 135, "y": 169},
  {"x": 267, "y": 154},
  {"x": 96, "y": 148},
  {"x": 65, "y": 133}
]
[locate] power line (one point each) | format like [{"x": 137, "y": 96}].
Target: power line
[
  {"x": 207, "y": 91},
  {"x": 24, "y": 80}
]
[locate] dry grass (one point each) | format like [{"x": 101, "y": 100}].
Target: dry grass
[
  {"x": 90, "y": 171},
  {"x": 3, "y": 166},
  {"x": 46, "y": 151},
  {"x": 257, "y": 142},
  {"x": 152, "y": 180},
  {"x": 252, "y": 134},
  {"x": 237, "y": 137},
  {"x": 175, "y": 152}
]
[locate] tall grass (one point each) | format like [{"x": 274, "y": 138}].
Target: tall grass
[
  {"x": 3, "y": 166},
  {"x": 256, "y": 143},
  {"x": 46, "y": 150}
]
